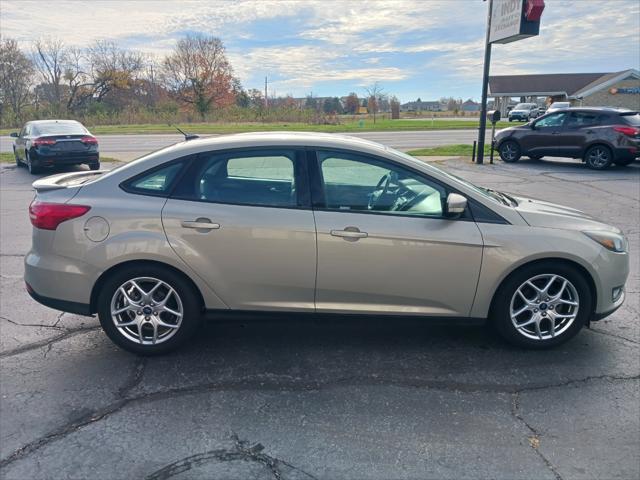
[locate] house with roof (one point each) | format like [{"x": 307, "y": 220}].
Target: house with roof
[
  {"x": 612, "y": 89},
  {"x": 422, "y": 106}
]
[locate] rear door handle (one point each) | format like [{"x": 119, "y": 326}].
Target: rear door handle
[
  {"x": 349, "y": 232},
  {"x": 200, "y": 223}
]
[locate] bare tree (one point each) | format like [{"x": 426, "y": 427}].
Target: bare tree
[
  {"x": 49, "y": 59},
  {"x": 198, "y": 73},
  {"x": 16, "y": 71},
  {"x": 113, "y": 68},
  {"x": 374, "y": 97}
]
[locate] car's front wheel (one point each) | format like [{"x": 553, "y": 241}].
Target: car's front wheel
[
  {"x": 542, "y": 305},
  {"x": 15, "y": 155},
  {"x": 509, "y": 151},
  {"x": 598, "y": 157},
  {"x": 148, "y": 309}
]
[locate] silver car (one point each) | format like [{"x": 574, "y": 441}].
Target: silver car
[{"x": 312, "y": 224}]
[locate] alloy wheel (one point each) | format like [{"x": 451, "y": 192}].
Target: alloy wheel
[
  {"x": 146, "y": 310},
  {"x": 544, "y": 307},
  {"x": 509, "y": 152},
  {"x": 598, "y": 157}
]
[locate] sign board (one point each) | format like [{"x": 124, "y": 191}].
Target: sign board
[
  {"x": 513, "y": 20},
  {"x": 627, "y": 90}
]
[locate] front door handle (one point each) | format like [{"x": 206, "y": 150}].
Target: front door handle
[
  {"x": 350, "y": 233},
  {"x": 200, "y": 224}
]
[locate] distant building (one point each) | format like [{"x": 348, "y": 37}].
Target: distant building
[
  {"x": 613, "y": 89},
  {"x": 470, "y": 106},
  {"x": 420, "y": 106}
]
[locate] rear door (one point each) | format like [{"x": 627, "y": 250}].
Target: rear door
[
  {"x": 384, "y": 244},
  {"x": 545, "y": 136},
  {"x": 581, "y": 129},
  {"x": 243, "y": 222}
]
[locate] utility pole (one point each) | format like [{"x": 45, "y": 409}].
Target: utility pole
[
  {"x": 266, "y": 96},
  {"x": 485, "y": 84}
]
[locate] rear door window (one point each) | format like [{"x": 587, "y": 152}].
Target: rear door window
[
  {"x": 255, "y": 177},
  {"x": 583, "y": 119}
]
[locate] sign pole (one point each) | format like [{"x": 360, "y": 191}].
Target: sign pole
[{"x": 485, "y": 84}]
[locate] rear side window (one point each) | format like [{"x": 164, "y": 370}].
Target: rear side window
[
  {"x": 631, "y": 119},
  {"x": 255, "y": 177},
  {"x": 156, "y": 182}
]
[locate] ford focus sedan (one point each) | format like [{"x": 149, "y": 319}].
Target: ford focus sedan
[{"x": 292, "y": 223}]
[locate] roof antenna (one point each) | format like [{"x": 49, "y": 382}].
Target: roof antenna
[{"x": 187, "y": 136}]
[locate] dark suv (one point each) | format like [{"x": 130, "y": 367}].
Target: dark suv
[{"x": 598, "y": 135}]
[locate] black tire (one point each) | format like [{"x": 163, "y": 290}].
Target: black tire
[
  {"x": 33, "y": 169},
  {"x": 535, "y": 157},
  {"x": 189, "y": 299},
  {"x": 623, "y": 162},
  {"x": 94, "y": 166},
  {"x": 500, "y": 316},
  {"x": 509, "y": 151},
  {"x": 598, "y": 157},
  {"x": 510, "y": 120},
  {"x": 15, "y": 155}
]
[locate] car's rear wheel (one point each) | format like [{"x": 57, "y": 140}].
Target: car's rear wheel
[
  {"x": 598, "y": 157},
  {"x": 33, "y": 169},
  {"x": 148, "y": 309},
  {"x": 542, "y": 305},
  {"x": 509, "y": 151},
  {"x": 94, "y": 166}
]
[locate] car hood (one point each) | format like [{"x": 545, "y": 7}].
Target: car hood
[{"x": 539, "y": 213}]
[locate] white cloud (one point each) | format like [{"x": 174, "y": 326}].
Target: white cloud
[{"x": 437, "y": 41}]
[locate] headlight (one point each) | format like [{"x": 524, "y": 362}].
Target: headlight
[{"x": 609, "y": 240}]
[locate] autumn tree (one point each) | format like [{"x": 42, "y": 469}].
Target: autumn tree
[
  {"x": 352, "y": 103},
  {"x": 198, "y": 74},
  {"x": 15, "y": 77}
]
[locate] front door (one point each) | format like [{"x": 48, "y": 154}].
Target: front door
[
  {"x": 384, "y": 243},
  {"x": 545, "y": 138},
  {"x": 241, "y": 222}
]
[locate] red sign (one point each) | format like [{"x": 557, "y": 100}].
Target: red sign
[{"x": 533, "y": 10}]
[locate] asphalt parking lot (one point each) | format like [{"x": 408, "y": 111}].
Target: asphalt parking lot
[{"x": 315, "y": 400}]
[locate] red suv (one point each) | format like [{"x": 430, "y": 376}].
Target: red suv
[{"x": 599, "y": 136}]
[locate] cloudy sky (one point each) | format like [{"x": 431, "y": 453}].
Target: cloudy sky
[{"x": 414, "y": 48}]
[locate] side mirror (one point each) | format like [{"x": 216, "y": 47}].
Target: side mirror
[
  {"x": 13, "y": 134},
  {"x": 456, "y": 204},
  {"x": 532, "y": 125}
]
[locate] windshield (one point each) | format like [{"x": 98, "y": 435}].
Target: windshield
[
  {"x": 485, "y": 192},
  {"x": 522, "y": 106},
  {"x": 59, "y": 128}
]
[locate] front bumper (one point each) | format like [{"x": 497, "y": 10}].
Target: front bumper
[{"x": 612, "y": 270}]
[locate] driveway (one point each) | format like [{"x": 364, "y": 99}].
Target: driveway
[{"x": 349, "y": 399}]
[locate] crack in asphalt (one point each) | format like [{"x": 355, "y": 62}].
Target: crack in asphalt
[
  {"x": 534, "y": 441},
  {"x": 66, "y": 333},
  {"x": 259, "y": 383},
  {"x": 614, "y": 335},
  {"x": 40, "y": 325},
  {"x": 88, "y": 419},
  {"x": 242, "y": 450}
]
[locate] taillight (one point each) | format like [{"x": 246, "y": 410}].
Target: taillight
[
  {"x": 630, "y": 131},
  {"x": 43, "y": 141},
  {"x": 89, "y": 140},
  {"x": 48, "y": 216}
]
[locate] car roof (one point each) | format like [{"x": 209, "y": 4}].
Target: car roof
[
  {"x": 283, "y": 138},
  {"x": 599, "y": 109}
]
